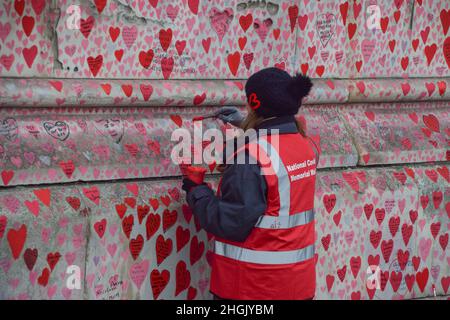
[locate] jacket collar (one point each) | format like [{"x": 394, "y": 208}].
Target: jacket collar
[{"x": 285, "y": 124}]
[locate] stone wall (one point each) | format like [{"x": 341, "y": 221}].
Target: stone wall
[{"x": 87, "y": 112}]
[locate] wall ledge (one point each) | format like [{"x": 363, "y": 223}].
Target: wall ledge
[{"x": 54, "y": 92}]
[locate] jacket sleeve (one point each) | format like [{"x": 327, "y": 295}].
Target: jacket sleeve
[{"x": 243, "y": 200}]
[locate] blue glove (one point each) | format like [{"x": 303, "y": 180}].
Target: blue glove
[{"x": 230, "y": 115}]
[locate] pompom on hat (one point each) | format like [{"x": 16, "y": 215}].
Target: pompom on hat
[{"x": 272, "y": 92}]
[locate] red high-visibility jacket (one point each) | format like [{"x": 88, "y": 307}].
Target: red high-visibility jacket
[{"x": 277, "y": 260}]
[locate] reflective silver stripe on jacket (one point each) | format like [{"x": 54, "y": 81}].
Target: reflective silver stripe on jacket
[
  {"x": 284, "y": 184},
  {"x": 285, "y": 222},
  {"x": 263, "y": 257}
]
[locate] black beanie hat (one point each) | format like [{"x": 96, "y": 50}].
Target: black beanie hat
[{"x": 272, "y": 92}]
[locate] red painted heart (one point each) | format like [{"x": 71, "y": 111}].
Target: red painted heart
[
  {"x": 152, "y": 224},
  {"x": 16, "y": 240},
  {"x": 163, "y": 249},
  {"x": 159, "y": 281},
  {"x": 136, "y": 246},
  {"x": 30, "y": 256},
  {"x": 182, "y": 237},
  {"x": 127, "y": 225},
  {"x": 183, "y": 278},
  {"x": 100, "y": 227}
]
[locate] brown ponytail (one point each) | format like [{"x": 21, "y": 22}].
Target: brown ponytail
[
  {"x": 300, "y": 128},
  {"x": 253, "y": 120}
]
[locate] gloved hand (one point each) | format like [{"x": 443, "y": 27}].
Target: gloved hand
[
  {"x": 188, "y": 184},
  {"x": 230, "y": 115}
]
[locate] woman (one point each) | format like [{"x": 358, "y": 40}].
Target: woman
[{"x": 263, "y": 217}]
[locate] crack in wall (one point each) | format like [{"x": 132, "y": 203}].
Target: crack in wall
[
  {"x": 51, "y": 31},
  {"x": 129, "y": 15},
  {"x": 124, "y": 12}
]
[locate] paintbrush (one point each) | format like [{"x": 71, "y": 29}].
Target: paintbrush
[
  {"x": 200, "y": 118},
  {"x": 214, "y": 115}
]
